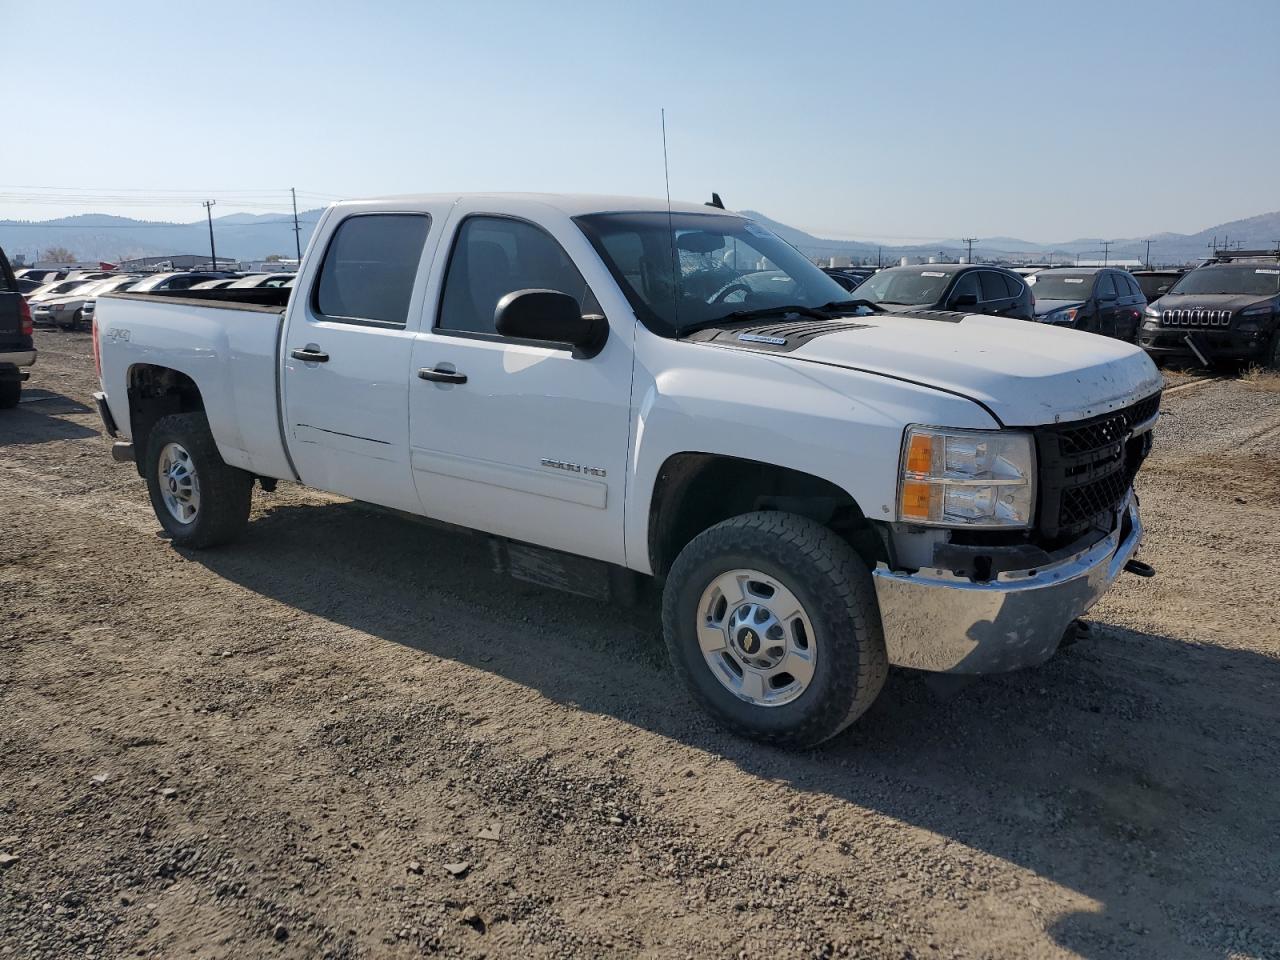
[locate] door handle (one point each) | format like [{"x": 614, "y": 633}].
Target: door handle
[
  {"x": 310, "y": 355},
  {"x": 436, "y": 375}
]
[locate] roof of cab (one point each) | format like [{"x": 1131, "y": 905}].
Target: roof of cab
[{"x": 570, "y": 204}]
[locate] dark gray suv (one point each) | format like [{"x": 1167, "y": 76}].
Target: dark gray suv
[{"x": 1101, "y": 300}]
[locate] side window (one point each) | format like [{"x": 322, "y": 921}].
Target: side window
[
  {"x": 1105, "y": 290},
  {"x": 1013, "y": 285},
  {"x": 993, "y": 287},
  {"x": 967, "y": 284},
  {"x": 494, "y": 256},
  {"x": 1134, "y": 289},
  {"x": 370, "y": 266}
]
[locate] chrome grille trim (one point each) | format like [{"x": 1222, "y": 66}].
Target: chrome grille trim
[{"x": 1195, "y": 317}]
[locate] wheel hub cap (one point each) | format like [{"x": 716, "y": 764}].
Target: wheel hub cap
[
  {"x": 179, "y": 485},
  {"x": 756, "y": 638}
]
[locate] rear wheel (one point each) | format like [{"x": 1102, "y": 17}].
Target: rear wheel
[
  {"x": 10, "y": 393},
  {"x": 772, "y": 622},
  {"x": 77, "y": 320},
  {"x": 198, "y": 499}
]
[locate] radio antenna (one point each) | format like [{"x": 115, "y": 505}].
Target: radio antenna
[{"x": 671, "y": 230}]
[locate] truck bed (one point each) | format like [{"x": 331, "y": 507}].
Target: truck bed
[{"x": 231, "y": 348}]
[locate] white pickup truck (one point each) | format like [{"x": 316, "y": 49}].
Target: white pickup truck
[{"x": 621, "y": 392}]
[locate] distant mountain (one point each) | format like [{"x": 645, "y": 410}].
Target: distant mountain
[
  {"x": 248, "y": 236},
  {"x": 1260, "y": 232},
  {"x": 98, "y": 236}
]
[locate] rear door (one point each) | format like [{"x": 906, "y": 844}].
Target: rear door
[
  {"x": 995, "y": 299},
  {"x": 1132, "y": 303},
  {"x": 1107, "y": 298},
  {"x": 529, "y": 441},
  {"x": 345, "y": 359}
]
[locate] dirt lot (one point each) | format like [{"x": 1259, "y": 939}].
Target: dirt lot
[{"x": 345, "y": 737}]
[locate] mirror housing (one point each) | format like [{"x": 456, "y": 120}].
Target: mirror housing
[
  {"x": 964, "y": 300},
  {"x": 549, "y": 316}
]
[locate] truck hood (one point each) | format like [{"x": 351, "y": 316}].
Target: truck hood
[{"x": 1025, "y": 373}]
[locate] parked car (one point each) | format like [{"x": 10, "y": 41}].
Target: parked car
[
  {"x": 819, "y": 488},
  {"x": 28, "y": 286},
  {"x": 42, "y": 274},
  {"x": 1156, "y": 283},
  {"x": 17, "y": 349},
  {"x": 1225, "y": 310},
  {"x": 262, "y": 280},
  {"x": 965, "y": 287},
  {"x": 1101, "y": 300},
  {"x": 50, "y": 291},
  {"x": 213, "y": 284},
  {"x": 68, "y": 311},
  {"x": 182, "y": 280},
  {"x": 847, "y": 277}
]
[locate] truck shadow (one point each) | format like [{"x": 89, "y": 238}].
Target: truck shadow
[{"x": 1137, "y": 770}]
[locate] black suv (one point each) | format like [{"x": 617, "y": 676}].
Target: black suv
[
  {"x": 16, "y": 347},
  {"x": 1099, "y": 299},
  {"x": 1224, "y": 310},
  {"x": 967, "y": 287}
]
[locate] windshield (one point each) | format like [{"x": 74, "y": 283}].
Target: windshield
[
  {"x": 1237, "y": 280},
  {"x": 726, "y": 264},
  {"x": 905, "y": 285},
  {"x": 1156, "y": 285},
  {"x": 1061, "y": 286}
]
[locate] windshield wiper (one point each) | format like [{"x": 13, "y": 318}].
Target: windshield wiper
[
  {"x": 848, "y": 306},
  {"x": 828, "y": 311}
]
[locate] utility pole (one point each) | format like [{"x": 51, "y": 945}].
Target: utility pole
[
  {"x": 213, "y": 253},
  {"x": 297, "y": 237},
  {"x": 1106, "y": 251},
  {"x": 970, "y": 241},
  {"x": 1148, "y": 254}
]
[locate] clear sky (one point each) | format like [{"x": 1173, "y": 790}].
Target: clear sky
[{"x": 870, "y": 120}]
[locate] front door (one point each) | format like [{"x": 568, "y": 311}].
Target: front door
[
  {"x": 345, "y": 363},
  {"x": 519, "y": 438}
]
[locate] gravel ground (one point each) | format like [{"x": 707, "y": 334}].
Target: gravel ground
[{"x": 345, "y": 737}]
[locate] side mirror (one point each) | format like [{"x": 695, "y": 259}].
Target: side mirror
[
  {"x": 964, "y": 300},
  {"x": 553, "y": 317}
]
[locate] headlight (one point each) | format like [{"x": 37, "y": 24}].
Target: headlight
[
  {"x": 1151, "y": 312},
  {"x": 967, "y": 478},
  {"x": 1259, "y": 311},
  {"x": 1067, "y": 316}
]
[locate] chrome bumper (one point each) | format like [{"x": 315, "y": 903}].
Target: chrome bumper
[
  {"x": 19, "y": 358},
  {"x": 934, "y": 620}
]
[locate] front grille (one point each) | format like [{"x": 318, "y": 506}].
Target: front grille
[
  {"x": 1195, "y": 317},
  {"x": 1087, "y": 467}
]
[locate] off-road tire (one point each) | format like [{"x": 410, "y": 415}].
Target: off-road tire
[
  {"x": 835, "y": 587},
  {"x": 10, "y": 393},
  {"x": 225, "y": 491}
]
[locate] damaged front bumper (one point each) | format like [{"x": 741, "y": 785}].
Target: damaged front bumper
[{"x": 935, "y": 620}]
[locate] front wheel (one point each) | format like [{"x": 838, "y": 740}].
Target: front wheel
[
  {"x": 198, "y": 499},
  {"x": 772, "y": 622},
  {"x": 1272, "y": 360}
]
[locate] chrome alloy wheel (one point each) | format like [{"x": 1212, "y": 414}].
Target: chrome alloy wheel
[
  {"x": 756, "y": 637},
  {"x": 179, "y": 485}
]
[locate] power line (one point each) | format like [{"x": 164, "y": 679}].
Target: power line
[{"x": 14, "y": 225}]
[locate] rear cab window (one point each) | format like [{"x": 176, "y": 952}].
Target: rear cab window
[{"x": 369, "y": 268}]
